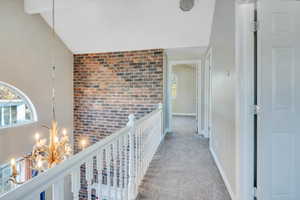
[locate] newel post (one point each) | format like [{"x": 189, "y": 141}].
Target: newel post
[{"x": 131, "y": 195}]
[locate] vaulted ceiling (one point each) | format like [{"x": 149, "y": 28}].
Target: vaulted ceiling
[{"x": 88, "y": 26}]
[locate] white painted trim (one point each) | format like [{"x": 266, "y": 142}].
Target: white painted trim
[
  {"x": 204, "y": 133},
  {"x": 223, "y": 174},
  {"x": 208, "y": 93},
  {"x": 169, "y": 93},
  {"x": 22, "y": 124},
  {"x": 244, "y": 98},
  {"x": 185, "y": 114},
  {"x": 165, "y": 93},
  {"x": 168, "y": 131},
  {"x": 199, "y": 82},
  {"x": 170, "y": 65},
  {"x": 24, "y": 98},
  {"x": 184, "y": 62}
]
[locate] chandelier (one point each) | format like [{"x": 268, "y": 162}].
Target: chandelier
[{"x": 45, "y": 156}]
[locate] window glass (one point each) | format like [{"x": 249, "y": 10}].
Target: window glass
[
  {"x": 6, "y": 115},
  {"x": 13, "y": 114}
]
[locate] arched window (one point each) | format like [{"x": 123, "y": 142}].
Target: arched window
[{"x": 15, "y": 107}]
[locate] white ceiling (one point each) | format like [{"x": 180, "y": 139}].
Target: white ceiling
[{"x": 89, "y": 26}]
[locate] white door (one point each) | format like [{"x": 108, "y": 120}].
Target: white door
[{"x": 279, "y": 99}]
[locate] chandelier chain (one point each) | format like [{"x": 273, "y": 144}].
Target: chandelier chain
[{"x": 53, "y": 61}]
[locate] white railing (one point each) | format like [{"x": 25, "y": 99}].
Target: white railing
[{"x": 111, "y": 169}]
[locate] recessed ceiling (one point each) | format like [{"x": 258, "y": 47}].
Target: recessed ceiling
[{"x": 91, "y": 26}]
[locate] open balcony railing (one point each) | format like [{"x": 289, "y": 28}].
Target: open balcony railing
[{"x": 111, "y": 169}]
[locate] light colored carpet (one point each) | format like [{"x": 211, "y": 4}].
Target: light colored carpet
[{"x": 183, "y": 168}]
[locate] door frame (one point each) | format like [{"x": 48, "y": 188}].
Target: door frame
[
  {"x": 206, "y": 132},
  {"x": 244, "y": 12},
  {"x": 169, "y": 93}
]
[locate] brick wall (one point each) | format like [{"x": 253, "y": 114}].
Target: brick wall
[{"x": 110, "y": 86}]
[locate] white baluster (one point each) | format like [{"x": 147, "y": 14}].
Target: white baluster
[
  {"x": 126, "y": 160},
  {"x": 144, "y": 150},
  {"x": 131, "y": 195},
  {"x": 121, "y": 160},
  {"x": 58, "y": 189},
  {"x": 95, "y": 168},
  {"x": 140, "y": 155},
  {"x": 89, "y": 176},
  {"x": 115, "y": 166},
  {"x": 75, "y": 179},
  {"x": 100, "y": 173},
  {"x": 109, "y": 151},
  {"x": 136, "y": 160}
]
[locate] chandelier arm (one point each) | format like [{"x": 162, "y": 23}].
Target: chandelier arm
[{"x": 44, "y": 126}]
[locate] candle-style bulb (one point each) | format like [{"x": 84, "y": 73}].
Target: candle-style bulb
[
  {"x": 64, "y": 132},
  {"x": 13, "y": 162},
  {"x": 39, "y": 163},
  {"x": 37, "y": 136},
  {"x": 83, "y": 143},
  {"x": 56, "y": 139}
]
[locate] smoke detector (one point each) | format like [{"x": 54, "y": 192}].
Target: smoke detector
[{"x": 187, "y": 5}]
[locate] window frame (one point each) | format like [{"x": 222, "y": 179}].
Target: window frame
[{"x": 27, "y": 102}]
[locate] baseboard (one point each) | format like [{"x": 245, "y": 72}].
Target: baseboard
[
  {"x": 185, "y": 114},
  {"x": 204, "y": 133},
  {"x": 223, "y": 174},
  {"x": 167, "y": 131}
]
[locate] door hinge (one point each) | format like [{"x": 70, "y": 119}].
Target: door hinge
[
  {"x": 255, "y": 26},
  {"x": 256, "y": 109},
  {"x": 255, "y": 193}
]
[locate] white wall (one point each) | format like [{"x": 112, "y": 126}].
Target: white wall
[
  {"x": 222, "y": 43},
  {"x": 25, "y": 62},
  {"x": 185, "y": 101}
]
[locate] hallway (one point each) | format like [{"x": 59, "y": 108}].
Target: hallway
[{"x": 183, "y": 168}]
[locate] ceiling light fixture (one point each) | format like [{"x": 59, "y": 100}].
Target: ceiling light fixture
[
  {"x": 187, "y": 5},
  {"x": 45, "y": 156}
]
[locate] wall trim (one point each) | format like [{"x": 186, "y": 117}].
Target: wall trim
[
  {"x": 170, "y": 65},
  {"x": 185, "y": 114},
  {"x": 244, "y": 101},
  {"x": 223, "y": 174},
  {"x": 208, "y": 66}
]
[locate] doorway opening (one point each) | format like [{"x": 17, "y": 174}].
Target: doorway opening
[
  {"x": 184, "y": 90},
  {"x": 183, "y": 85}
]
